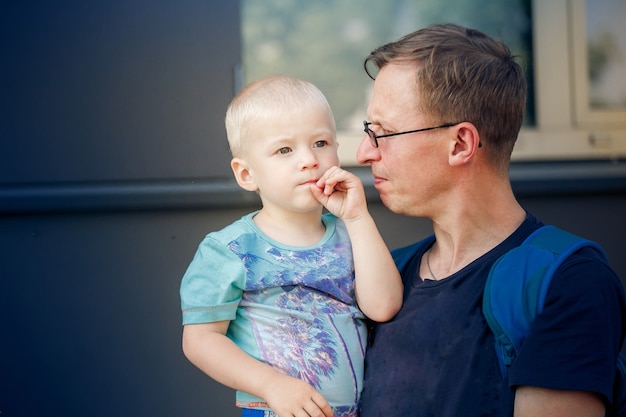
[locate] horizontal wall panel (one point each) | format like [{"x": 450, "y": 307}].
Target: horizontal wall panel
[{"x": 528, "y": 179}]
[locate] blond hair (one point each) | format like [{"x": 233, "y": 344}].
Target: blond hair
[{"x": 267, "y": 98}]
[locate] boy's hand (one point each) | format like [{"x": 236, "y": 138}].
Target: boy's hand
[
  {"x": 288, "y": 397},
  {"x": 341, "y": 192}
]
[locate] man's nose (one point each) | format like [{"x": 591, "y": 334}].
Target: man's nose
[{"x": 366, "y": 152}]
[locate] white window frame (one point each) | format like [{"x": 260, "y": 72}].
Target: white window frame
[{"x": 585, "y": 115}]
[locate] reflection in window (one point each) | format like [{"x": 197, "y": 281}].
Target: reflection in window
[
  {"x": 606, "y": 47},
  {"x": 325, "y": 42}
]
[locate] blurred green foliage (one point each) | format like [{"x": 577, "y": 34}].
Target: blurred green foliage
[{"x": 326, "y": 41}]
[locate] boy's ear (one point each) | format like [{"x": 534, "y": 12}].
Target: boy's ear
[{"x": 243, "y": 174}]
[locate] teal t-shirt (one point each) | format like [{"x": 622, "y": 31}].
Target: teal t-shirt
[{"x": 291, "y": 307}]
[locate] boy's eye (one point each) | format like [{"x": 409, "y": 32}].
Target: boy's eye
[
  {"x": 283, "y": 150},
  {"x": 320, "y": 144}
]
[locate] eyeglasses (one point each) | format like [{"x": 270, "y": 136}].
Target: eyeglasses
[{"x": 374, "y": 137}]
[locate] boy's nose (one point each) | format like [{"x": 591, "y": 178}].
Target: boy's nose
[{"x": 308, "y": 160}]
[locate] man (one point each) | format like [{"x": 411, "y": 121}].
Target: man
[{"x": 447, "y": 106}]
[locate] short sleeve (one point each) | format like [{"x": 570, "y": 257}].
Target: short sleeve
[
  {"x": 573, "y": 344},
  {"x": 213, "y": 284}
]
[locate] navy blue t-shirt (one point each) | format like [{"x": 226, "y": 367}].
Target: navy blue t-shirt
[{"x": 437, "y": 356}]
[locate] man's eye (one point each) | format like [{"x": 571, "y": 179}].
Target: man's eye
[
  {"x": 283, "y": 151},
  {"x": 379, "y": 130}
]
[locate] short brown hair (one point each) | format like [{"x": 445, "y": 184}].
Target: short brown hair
[{"x": 464, "y": 75}]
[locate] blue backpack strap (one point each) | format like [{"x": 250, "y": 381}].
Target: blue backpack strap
[{"x": 517, "y": 285}]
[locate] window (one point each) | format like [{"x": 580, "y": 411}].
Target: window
[
  {"x": 599, "y": 52},
  {"x": 325, "y": 42}
]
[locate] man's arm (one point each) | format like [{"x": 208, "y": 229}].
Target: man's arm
[{"x": 543, "y": 402}]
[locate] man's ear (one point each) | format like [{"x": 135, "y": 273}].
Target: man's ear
[
  {"x": 465, "y": 144},
  {"x": 243, "y": 174}
]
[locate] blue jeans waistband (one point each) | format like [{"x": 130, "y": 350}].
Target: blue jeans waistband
[
  {"x": 249, "y": 412},
  {"x": 339, "y": 412}
]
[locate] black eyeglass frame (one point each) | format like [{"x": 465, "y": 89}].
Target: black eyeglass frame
[{"x": 374, "y": 137}]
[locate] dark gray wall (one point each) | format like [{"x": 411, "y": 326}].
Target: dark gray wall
[
  {"x": 102, "y": 103},
  {"x": 115, "y": 90},
  {"x": 90, "y": 319}
]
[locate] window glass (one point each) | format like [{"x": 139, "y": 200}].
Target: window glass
[
  {"x": 606, "y": 52},
  {"x": 325, "y": 42}
]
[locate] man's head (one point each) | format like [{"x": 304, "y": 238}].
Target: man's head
[{"x": 462, "y": 75}]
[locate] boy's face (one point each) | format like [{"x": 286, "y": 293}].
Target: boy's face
[{"x": 286, "y": 154}]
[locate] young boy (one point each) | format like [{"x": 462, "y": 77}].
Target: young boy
[{"x": 274, "y": 304}]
